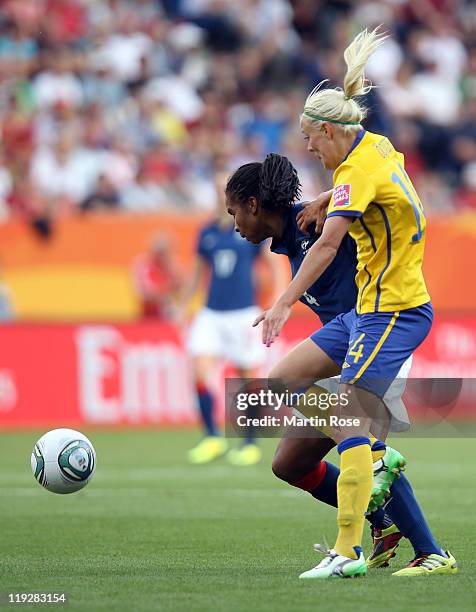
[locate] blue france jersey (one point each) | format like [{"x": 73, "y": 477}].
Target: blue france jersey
[
  {"x": 231, "y": 259},
  {"x": 335, "y": 292}
]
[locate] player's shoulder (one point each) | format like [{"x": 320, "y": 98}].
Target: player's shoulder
[
  {"x": 354, "y": 170},
  {"x": 372, "y": 155}
]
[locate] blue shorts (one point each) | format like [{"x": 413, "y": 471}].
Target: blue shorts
[{"x": 371, "y": 348}]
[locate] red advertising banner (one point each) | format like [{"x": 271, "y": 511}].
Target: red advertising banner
[
  {"x": 139, "y": 374},
  {"x": 95, "y": 374}
]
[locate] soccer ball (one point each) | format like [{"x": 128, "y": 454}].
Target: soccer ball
[{"x": 63, "y": 461}]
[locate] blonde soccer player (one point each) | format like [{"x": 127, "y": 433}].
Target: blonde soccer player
[{"x": 375, "y": 202}]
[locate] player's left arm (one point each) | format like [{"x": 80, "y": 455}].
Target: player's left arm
[{"x": 317, "y": 260}]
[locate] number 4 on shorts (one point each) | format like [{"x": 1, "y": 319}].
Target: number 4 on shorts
[{"x": 357, "y": 349}]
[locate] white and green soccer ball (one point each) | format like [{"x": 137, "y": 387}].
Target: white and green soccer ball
[{"x": 63, "y": 461}]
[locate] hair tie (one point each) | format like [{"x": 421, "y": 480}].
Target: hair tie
[{"x": 312, "y": 115}]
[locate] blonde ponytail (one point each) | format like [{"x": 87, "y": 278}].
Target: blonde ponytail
[
  {"x": 337, "y": 105},
  {"x": 356, "y": 56}
]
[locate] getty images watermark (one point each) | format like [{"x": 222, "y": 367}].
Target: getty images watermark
[
  {"x": 431, "y": 407},
  {"x": 279, "y": 403}
]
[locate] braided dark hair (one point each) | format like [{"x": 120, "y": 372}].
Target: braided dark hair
[{"x": 274, "y": 183}]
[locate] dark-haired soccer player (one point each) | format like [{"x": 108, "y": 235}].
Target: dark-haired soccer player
[{"x": 260, "y": 197}]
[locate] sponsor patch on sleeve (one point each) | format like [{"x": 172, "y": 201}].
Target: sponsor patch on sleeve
[{"x": 342, "y": 195}]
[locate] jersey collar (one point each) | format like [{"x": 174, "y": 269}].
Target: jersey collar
[
  {"x": 355, "y": 144},
  {"x": 291, "y": 233}
]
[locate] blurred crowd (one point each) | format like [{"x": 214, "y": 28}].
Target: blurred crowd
[{"x": 135, "y": 104}]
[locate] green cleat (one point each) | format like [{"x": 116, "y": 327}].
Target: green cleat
[
  {"x": 386, "y": 471},
  {"x": 336, "y": 566}
]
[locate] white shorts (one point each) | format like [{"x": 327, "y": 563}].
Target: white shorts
[
  {"x": 392, "y": 398},
  {"x": 228, "y": 334}
]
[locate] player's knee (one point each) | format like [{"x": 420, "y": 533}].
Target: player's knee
[
  {"x": 286, "y": 470},
  {"x": 291, "y": 471},
  {"x": 280, "y": 468}
]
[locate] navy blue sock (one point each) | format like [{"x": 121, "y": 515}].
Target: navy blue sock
[
  {"x": 250, "y": 436},
  {"x": 205, "y": 403},
  {"x": 326, "y": 490},
  {"x": 379, "y": 519},
  {"x": 403, "y": 508}
]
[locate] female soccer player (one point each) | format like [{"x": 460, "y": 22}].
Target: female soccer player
[
  {"x": 374, "y": 201},
  {"x": 262, "y": 196},
  {"x": 222, "y": 329}
]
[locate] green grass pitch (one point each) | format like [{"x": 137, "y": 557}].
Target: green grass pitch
[{"x": 152, "y": 533}]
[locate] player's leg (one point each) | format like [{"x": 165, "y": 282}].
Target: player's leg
[
  {"x": 203, "y": 367},
  {"x": 408, "y": 521},
  {"x": 295, "y": 461},
  {"x": 359, "y": 409},
  {"x": 248, "y": 452},
  {"x": 356, "y": 470},
  {"x": 393, "y": 463},
  {"x": 319, "y": 357},
  {"x": 379, "y": 344},
  {"x": 299, "y": 462},
  {"x": 295, "y": 367},
  {"x": 244, "y": 349},
  {"x": 401, "y": 506},
  {"x": 404, "y": 333},
  {"x": 298, "y": 457},
  {"x": 213, "y": 445},
  {"x": 205, "y": 349},
  {"x": 352, "y": 435},
  {"x": 430, "y": 558}
]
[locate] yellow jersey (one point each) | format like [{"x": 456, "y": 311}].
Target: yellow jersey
[{"x": 389, "y": 227}]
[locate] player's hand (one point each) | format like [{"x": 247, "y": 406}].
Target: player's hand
[
  {"x": 314, "y": 212},
  {"x": 273, "y": 321}
]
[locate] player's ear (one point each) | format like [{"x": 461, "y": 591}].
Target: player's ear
[
  {"x": 328, "y": 130},
  {"x": 253, "y": 205}
]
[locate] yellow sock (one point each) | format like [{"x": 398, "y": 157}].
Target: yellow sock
[
  {"x": 378, "y": 454},
  {"x": 353, "y": 494}
]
